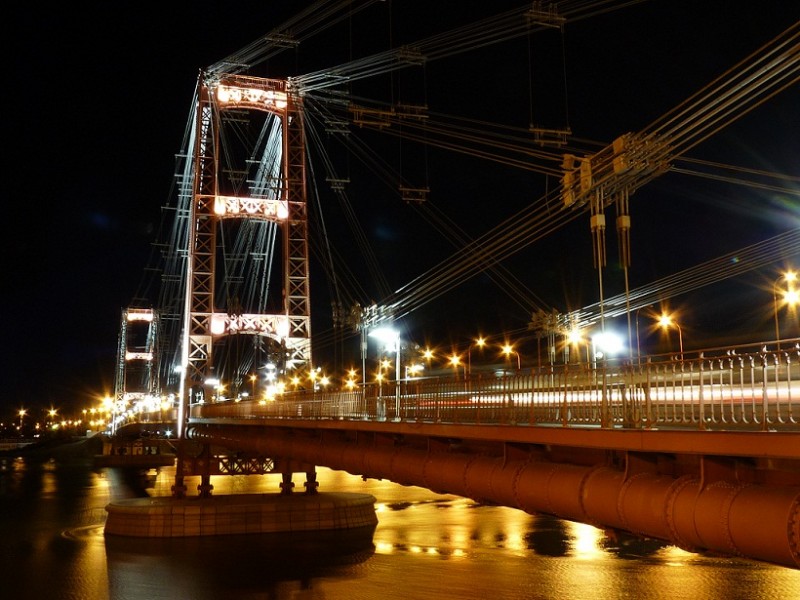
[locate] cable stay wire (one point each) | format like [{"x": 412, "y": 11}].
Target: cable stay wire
[
  {"x": 309, "y": 22},
  {"x": 732, "y": 264},
  {"x": 490, "y": 31},
  {"x": 444, "y": 225},
  {"x": 506, "y": 281},
  {"x": 361, "y": 239},
  {"x": 474, "y": 36},
  {"x": 767, "y": 72},
  {"x": 767, "y": 76}
]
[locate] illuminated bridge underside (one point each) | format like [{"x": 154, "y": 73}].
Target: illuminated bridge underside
[{"x": 732, "y": 493}]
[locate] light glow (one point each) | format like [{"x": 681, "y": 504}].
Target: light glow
[
  {"x": 386, "y": 335},
  {"x": 139, "y": 314},
  {"x": 255, "y": 97},
  {"x": 277, "y": 325},
  {"x": 608, "y": 343},
  {"x": 251, "y": 207},
  {"x": 791, "y": 297},
  {"x": 574, "y": 336}
]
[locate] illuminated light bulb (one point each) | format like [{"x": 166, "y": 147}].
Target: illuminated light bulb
[
  {"x": 282, "y": 327},
  {"x": 218, "y": 324}
]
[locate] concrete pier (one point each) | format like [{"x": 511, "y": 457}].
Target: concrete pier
[{"x": 168, "y": 517}]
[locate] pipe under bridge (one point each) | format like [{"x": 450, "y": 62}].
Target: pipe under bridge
[{"x": 704, "y": 457}]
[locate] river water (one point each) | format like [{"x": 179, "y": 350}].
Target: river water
[{"x": 426, "y": 545}]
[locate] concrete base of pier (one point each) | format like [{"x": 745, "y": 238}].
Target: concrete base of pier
[{"x": 167, "y": 517}]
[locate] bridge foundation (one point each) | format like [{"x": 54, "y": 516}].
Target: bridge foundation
[{"x": 165, "y": 517}]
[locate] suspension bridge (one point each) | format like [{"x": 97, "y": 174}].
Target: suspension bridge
[{"x": 656, "y": 445}]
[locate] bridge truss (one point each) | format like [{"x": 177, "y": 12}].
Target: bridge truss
[
  {"x": 136, "y": 378},
  {"x": 277, "y": 197}
]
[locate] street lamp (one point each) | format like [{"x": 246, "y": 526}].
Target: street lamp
[
  {"x": 391, "y": 339},
  {"x": 413, "y": 370},
  {"x": 638, "y": 346},
  {"x": 508, "y": 350},
  {"x": 455, "y": 361},
  {"x": 428, "y": 356},
  {"x": 312, "y": 376},
  {"x": 790, "y": 297},
  {"x": 605, "y": 345},
  {"x": 574, "y": 340},
  {"x": 666, "y": 321},
  {"x": 22, "y": 413},
  {"x": 480, "y": 343}
]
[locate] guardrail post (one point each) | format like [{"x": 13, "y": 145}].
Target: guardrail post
[
  {"x": 631, "y": 417},
  {"x": 531, "y": 413},
  {"x": 648, "y": 406},
  {"x": 764, "y": 393},
  {"x": 702, "y": 400},
  {"x": 605, "y": 420},
  {"x": 565, "y": 403},
  {"x": 789, "y": 399}
]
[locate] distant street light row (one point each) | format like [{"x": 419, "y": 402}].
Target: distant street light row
[
  {"x": 603, "y": 345},
  {"x": 51, "y": 421}
]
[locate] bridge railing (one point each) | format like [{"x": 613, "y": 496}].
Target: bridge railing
[{"x": 751, "y": 391}]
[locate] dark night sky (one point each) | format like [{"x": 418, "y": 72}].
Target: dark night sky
[{"x": 98, "y": 98}]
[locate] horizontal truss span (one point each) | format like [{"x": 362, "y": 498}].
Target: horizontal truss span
[{"x": 676, "y": 494}]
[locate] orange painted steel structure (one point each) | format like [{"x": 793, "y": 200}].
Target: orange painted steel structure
[
  {"x": 677, "y": 486},
  {"x": 702, "y": 453},
  {"x": 202, "y": 321}
]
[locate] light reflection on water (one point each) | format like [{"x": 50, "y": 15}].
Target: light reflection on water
[{"x": 426, "y": 545}]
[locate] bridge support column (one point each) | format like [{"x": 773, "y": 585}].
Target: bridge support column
[
  {"x": 179, "y": 487},
  {"x": 205, "y": 487},
  {"x": 287, "y": 485},
  {"x": 311, "y": 483}
]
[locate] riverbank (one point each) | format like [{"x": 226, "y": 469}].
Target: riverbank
[{"x": 60, "y": 448}]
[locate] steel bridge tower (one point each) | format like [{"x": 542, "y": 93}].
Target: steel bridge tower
[
  {"x": 137, "y": 374},
  {"x": 284, "y": 205}
]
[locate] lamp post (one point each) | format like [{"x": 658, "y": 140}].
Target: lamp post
[
  {"x": 455, "y": 362},
  {"x": 413, "y": 370},
  {"x": 574, "y": 338},
  {"x": 638, "y": 346},
  {"x": 391, "y": 339},
  {"x": 790, "y": 298},
  {"x": 480, "y": 343},
  {"x": 508, "y": 350},
  {"x": 666, "y": 321},
  {"x": 312, "y": 377},
  {"x": 428, "y": 356},
  {"x": 22, "y": 412}
]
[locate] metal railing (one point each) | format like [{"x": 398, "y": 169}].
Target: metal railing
[{"x": 753, "y": 391}]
